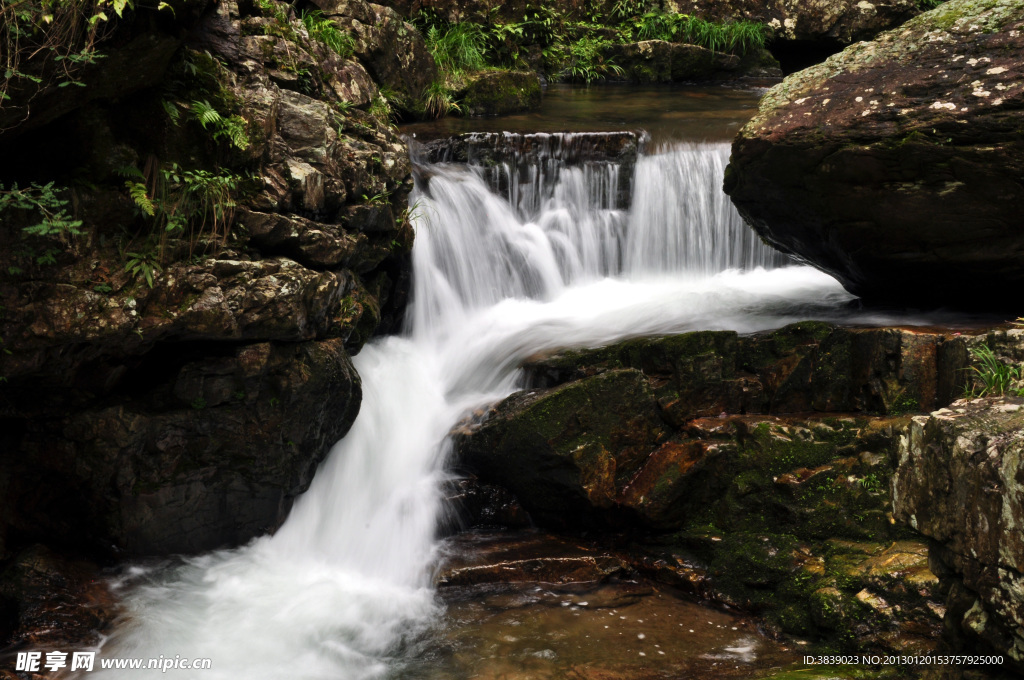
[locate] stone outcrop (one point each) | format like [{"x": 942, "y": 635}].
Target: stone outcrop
[
  {"x": 897, "y": 165},
  {"x": 657, "y": 61},
  {"x": 200, "y": 447},
  {"x": 757, "y": 468},
  {"x": 616, "y": 433},
  {"x": 498, "y": 93},
  {"x": 959, "y": 482},
  {"x": 51, "y": 602},
  {"x": 169, "y": 389},
  {"x": 569, "y": 148},
  {"x": 392, "y": 50}
]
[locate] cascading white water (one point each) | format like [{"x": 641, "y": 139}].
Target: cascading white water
[{"x": 344, "y": 585}]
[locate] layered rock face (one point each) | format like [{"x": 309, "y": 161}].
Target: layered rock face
[
  {"x": 897, "y": 166},
  {"x": 173, "y": 391},
  {"x": 959, "y": 481},
  {"x": 392, "y": 50}
]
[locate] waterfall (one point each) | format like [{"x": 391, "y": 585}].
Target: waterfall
[{"x": 539, "y": 249}]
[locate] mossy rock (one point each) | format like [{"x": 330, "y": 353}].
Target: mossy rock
[{"x": 499, "y": 93}]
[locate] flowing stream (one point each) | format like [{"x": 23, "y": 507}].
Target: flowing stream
[{"x": 344, "y": 589}]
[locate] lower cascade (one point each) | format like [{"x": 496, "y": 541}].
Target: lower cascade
[{"x": 502, "y": 270}]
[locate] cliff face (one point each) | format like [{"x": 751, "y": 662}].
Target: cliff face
[{"x": 176, "y": 364}]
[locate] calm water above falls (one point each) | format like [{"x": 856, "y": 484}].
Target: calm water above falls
[
  {"x": 343, "y": 589},
  {"x": 667, "y": 113}
]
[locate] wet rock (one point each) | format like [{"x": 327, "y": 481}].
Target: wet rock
[
  {"x": 489, "y": 148},
  {"x": 911, "y": 138},
  {"x": 785, "y": 515},
  {"x": 525, "y": 558},
  {"x": 53, "y": 602},
  {"x": 499, "y": 93},
  {"x": 807, "y": 366},
  {"x": 959, "y": 482},
  {"x": 210, "y": 451},
  {"x": 508, "y": 158},
  {"x": 477, "y": 505},
  {"x": 566, "y": 453}
]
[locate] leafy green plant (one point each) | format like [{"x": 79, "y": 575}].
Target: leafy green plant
[
  {"x": 871, "y": 483},
  {"x": 460, "y": 47},
  {"x": 231, "y": 128},
  {"x": 44, "y": 201},
  {"x": 383, "y": 198},
  {"x": 196, "y": 203},
  {"x": 324, "y": 30},
  {"x": 143, "y": 264},
  {"x": 380, "y": 108},
  {"x": 655, "y": 26},
  {"x": 59, "y": 35},
  {"x": 586, "y": 61},
  {"x": 438, "y": 100},
  {"x": 991, "y": 375},
  {"x": 503, "y": 43}
]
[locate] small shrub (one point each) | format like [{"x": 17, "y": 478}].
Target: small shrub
[{"x": 144, "y": 265}]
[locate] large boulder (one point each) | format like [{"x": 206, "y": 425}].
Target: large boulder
[
  {"x": 960, "y": 481},
  {"x": 898, "y": 166},
  {"x": 210, "y": 451}
]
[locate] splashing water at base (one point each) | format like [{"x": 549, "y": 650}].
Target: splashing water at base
[{"x": 344, "y": 587}]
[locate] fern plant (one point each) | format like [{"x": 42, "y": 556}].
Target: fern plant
[
  {"x": 197, "y": 204},
  {"x": 231, "y": 128},
  {"x": 322, "y": 29}
]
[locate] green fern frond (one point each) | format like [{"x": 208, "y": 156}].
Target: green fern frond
[
  {"x": 137, "y": 190},
  {"x": 205, "y": 114},
  {"x": 172, "y": 111},
  {"x": 129, "y": 171}
]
